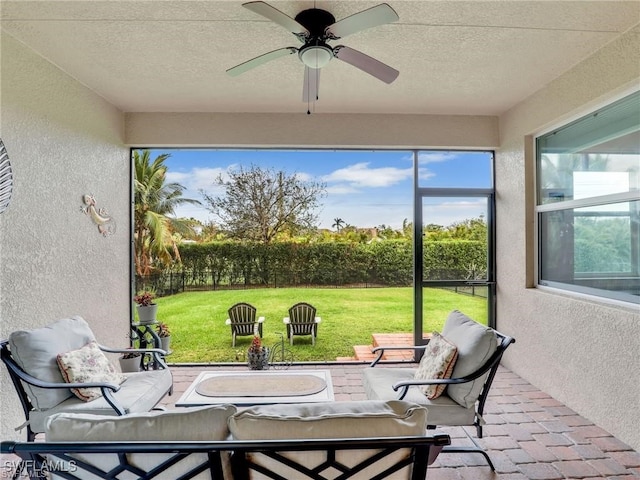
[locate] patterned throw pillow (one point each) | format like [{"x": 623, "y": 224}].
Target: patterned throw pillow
[
  {"x": 437, "y": 362},
  {"x": 88, "y": 364}
]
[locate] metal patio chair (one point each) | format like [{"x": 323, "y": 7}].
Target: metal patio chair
[
  {"x": 480, "y": 349},
  {"x": 30, "y": 358}
]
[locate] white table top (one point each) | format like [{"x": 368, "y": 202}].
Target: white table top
[{"x": 191, "y": 398}]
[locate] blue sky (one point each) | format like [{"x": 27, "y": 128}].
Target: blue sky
[{"x": 364, "y": 188}]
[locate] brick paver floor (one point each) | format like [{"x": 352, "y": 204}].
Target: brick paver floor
[{"x": 529, "y": 434}]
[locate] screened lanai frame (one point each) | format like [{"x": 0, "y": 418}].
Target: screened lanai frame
[{"x": 419, "y": 283}]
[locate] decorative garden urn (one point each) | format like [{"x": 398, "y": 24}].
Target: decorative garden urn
[{"x": 257, "y": 355}]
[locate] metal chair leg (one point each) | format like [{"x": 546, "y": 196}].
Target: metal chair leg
[{"x": 474, "y": 449}]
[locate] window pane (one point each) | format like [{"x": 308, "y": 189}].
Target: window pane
[
  {"x": 455, "y": 238},
  {"x": 576, "y": 176},
  {"x": 596, "y": 155},
  {"x": 455, "y": 169},
  {"x": 439, "y": 302},
  {"x": 595, "y": 249}
]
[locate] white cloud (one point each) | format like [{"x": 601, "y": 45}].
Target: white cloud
[
  {"x": 341, "y": 189},
  {"x": 360, "y": 175},
  {"x": 197, "y": 178},
  {"x": 304, "y": 177},
  {"x": 448, "y": 212},
  {"x": 435, "y": 157},
  {"x": 193, "y": 181}
]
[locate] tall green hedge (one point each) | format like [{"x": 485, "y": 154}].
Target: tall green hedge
[{"x": 387, "y": 262}]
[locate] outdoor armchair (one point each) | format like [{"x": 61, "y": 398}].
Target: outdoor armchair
[
  {"x": 302, "y": 320},
  {"x": 242, "y": 320},
  {"x": 479, "y": 351},
  {"x": 31, "y": 357}
]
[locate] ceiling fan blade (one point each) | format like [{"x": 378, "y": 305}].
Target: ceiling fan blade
[
  {"x": 257, "y": 61},
  {"x": 372, "y": 17},
  {"x": 276, "y": 16},
  {"x": 366, "y": 63},
  {"x": 311, "y": 85}
]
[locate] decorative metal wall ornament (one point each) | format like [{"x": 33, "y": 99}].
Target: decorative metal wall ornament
[
  {"x": 6, "y": 178},
  {"x": 106, "y": 224}
]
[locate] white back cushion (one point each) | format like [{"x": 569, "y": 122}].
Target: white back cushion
[
  {"x": 476, "y": 343},
  {"x": 369, "y": 418},
  {"x": 35, "y": 351},
  {"x": 187, "y": 424}
]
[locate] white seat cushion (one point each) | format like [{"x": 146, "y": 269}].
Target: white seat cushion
[
  {"x": 443, "y": 410},
  {"x": 139, "y": 393}
]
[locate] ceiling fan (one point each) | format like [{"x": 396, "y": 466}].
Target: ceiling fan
[{"x": 314, "y": 28}]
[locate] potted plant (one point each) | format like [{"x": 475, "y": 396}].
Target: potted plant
[
  {"x": 130, "y": 362},
  {"x": 162, "y": 329},
  {"x": 146, "y": 307},
  {"x": 257, "y": 355}
]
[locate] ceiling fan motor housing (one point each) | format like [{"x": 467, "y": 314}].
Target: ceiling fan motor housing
[{"x": 315, "y": 20}]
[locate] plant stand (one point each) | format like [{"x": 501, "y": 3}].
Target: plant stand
[{"x": 145, "y": 336}]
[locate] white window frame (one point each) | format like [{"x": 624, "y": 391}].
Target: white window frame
[{"x": 633, "y": 195}]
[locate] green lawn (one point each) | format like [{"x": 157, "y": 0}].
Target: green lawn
[{"x": 349, "y": 317}]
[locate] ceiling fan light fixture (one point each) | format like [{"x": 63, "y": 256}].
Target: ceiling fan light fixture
[{"x": 315, "y": 56}]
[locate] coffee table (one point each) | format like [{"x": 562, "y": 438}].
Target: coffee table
[{"x": 264, "y": 381}]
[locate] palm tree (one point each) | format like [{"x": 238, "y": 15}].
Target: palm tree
[
  {"x": 338, "y": 223},
  {"x": 155, "y": 201}
]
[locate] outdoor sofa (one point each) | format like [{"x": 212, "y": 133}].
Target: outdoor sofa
[{"x": 349, "y": 440}]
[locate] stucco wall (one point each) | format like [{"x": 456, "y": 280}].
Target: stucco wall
[
  {"x": 301, "y": 130},
  {"x": 583, "y": 352},
  {"x": 63, "y": 141}
]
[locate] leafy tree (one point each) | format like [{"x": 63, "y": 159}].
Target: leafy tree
[
  {"x": 155, "y": 201},
  {"x": 261, "y": 204},
  {"x": 468, "y": 229},
  {"x": 407, "y": 228},
  {"x": 338, "y": 223}
]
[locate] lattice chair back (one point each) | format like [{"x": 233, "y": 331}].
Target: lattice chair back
[{"x": 243, "y": 318}]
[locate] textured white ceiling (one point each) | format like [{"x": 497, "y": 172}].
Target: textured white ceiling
[{"x": 454, "y": 57}]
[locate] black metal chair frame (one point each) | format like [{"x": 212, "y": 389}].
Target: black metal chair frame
[
  {"x": 42, "y": 457},
  {"x": 491, "y": 366},
  {"x": 18, "y": 375}
]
